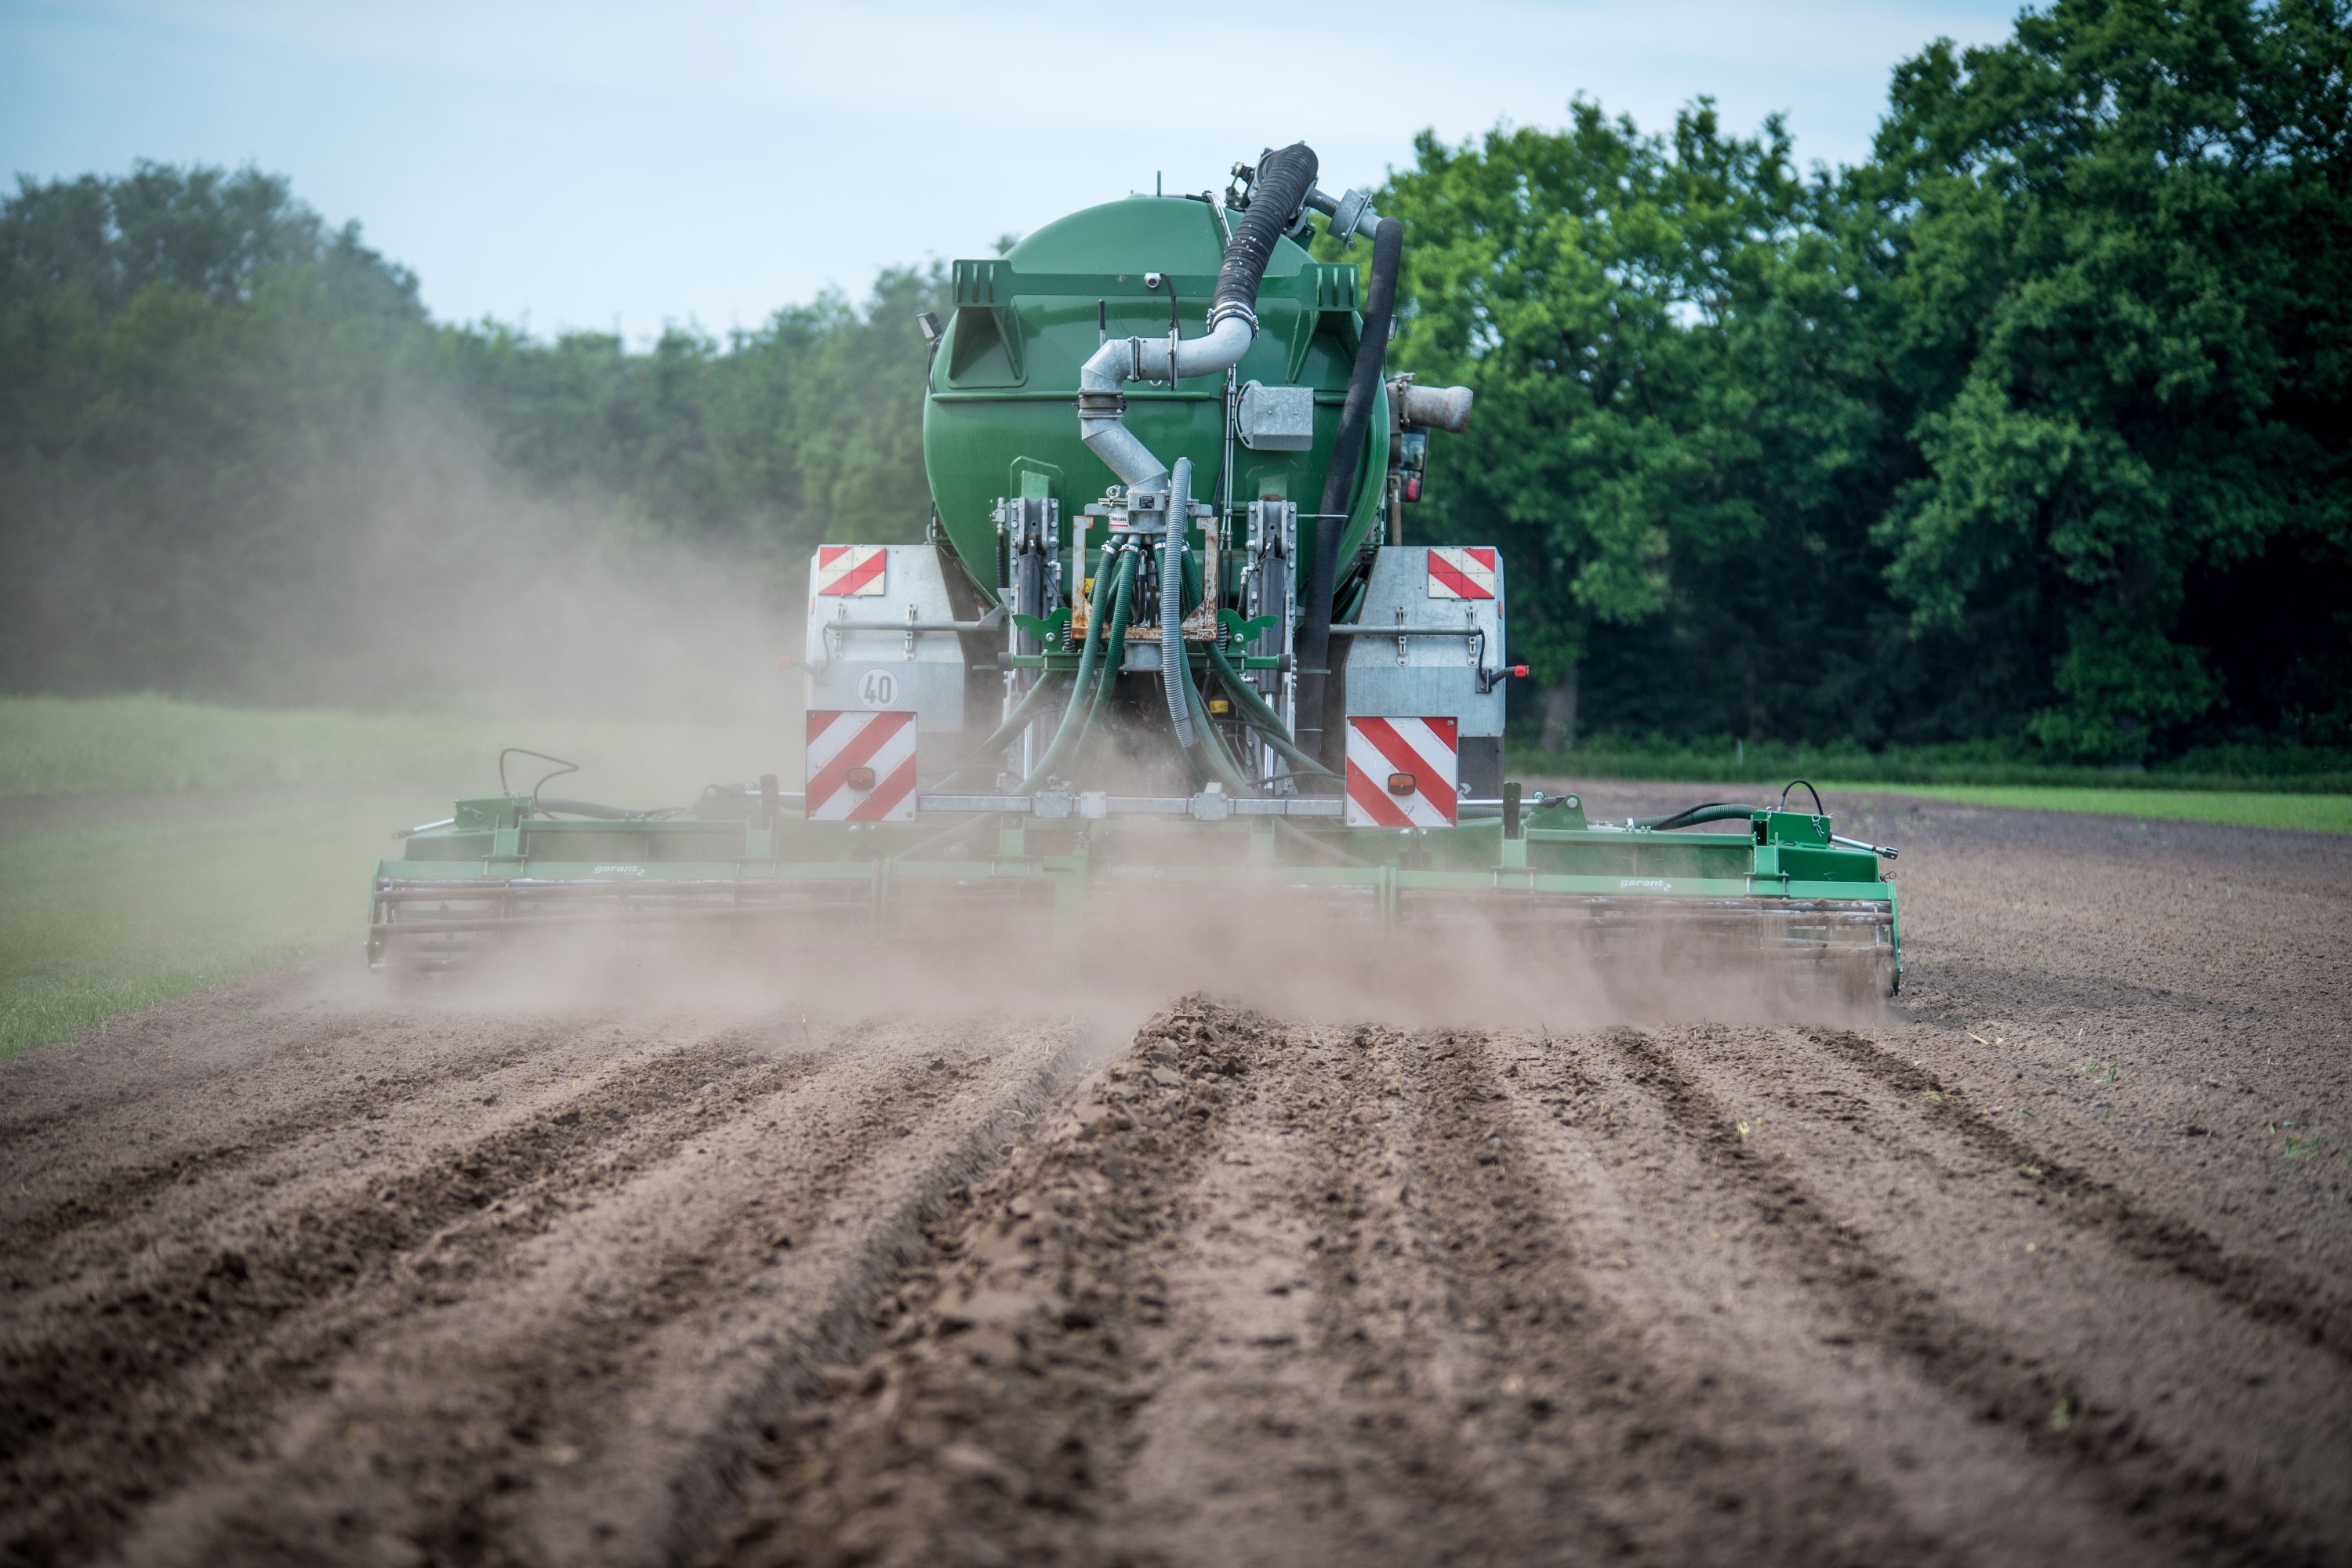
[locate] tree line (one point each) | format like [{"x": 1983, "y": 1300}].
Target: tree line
[{"x": 2032, "y": 428}]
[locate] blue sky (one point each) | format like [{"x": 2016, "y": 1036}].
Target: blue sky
[{"x": 707, "y": 160}]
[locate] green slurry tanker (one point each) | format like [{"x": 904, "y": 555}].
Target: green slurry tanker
[{"x": 1162, "y": 647}]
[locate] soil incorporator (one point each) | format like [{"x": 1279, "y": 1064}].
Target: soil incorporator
[{"x": 1162, "y": 643}]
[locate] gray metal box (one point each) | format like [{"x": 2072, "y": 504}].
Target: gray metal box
[
  {"x": 1276, "y": 418},
  {"x": 862, "y": 655},
  {"x": 1453, "y": 659}
]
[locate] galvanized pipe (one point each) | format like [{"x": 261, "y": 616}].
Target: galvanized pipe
[
  {"x": 1173, "y": 667},
  {"x": 1284, "y": 179}
]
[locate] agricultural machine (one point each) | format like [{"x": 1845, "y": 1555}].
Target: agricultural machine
[{"x": 1163, "y": 644}]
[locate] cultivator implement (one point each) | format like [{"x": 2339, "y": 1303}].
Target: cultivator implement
[{"x": 1164, "y": 658}]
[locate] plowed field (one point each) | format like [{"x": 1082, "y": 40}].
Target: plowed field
[{"x": 2050, "y": 1261}]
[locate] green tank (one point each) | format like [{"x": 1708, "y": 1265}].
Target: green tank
[{"x": 999, "y": 419}]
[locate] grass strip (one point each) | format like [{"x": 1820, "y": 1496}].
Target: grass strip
[
  {"x": 135, "y": 744},
  {"x": 104, "y": 920},
  {"x": 2239, "y": 808}
]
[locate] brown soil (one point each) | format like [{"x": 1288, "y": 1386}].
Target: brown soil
[{"x": 2047, "y": 1263}]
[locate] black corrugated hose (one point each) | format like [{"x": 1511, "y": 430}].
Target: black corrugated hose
[
  {"x": 1277, "y": 193},
  {"x": 1314, "y": 645}
]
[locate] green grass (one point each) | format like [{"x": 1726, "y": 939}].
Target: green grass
[
  {"x": 2241, "y": 769},
  {"x": 105, "y": 918},
  {"x": 105, "y": 745},
  {"x": 101, "y": 921},
  {"x": 2239, "y": 808}
]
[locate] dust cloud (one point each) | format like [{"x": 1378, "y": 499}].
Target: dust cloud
[{"x": 1260, "y": 947}]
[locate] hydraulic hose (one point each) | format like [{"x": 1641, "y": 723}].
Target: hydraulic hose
[
  {"x": 1260, "y": 716},
  {"x": 1014, "y": 721},
  {"x": 1066, "y": 734},
  {"x": 1691, "y": 817},
  {"x": 1122, "y": 609},
  {"x": 1175, "y": 671},
  {"x": 1314, "y": 645},
  {"x": 1211, "y": 757}
]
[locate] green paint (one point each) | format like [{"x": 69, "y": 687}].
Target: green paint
[{"x": 1003, "y": 386}]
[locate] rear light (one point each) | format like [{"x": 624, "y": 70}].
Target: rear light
[
  {"x": 1412, "y": 487},
  {"x": 1518, "y": 672},
  {"x": 1402, "y": 783},
  {"x": 860, "y": 778}
]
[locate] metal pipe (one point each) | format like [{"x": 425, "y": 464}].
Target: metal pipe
[
  {"x": 1284, "y": 179},
  {"x": 1886, "y": 850},
  {"x": 1175, "y": 670}
]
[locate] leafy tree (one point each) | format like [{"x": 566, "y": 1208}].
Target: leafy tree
[
  {"x": 1652, "y": 326},
  {"x": 2114, "y": 297}
]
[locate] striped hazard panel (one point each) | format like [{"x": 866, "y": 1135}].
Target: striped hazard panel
[
  {"x": 861, "y": 767},
  {"x": 1458, "y": 571},
  {"x": 1401, "y": 772},
  {"x": 855, "y": 570}
]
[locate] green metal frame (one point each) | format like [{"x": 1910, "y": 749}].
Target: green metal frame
[{"x": 498, "y": 867}]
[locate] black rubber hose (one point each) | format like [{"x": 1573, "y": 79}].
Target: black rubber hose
[
  {"x": 1691, "y": 817},
  {"x": 1278, "y": 193},
  {"x": 1314, "y": 645}
]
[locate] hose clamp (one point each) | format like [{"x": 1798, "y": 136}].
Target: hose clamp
[
  {"x": 1111, "y": 404},
  {"x": 1229, "y": 308}
]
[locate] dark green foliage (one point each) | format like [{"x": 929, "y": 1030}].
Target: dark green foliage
[
  {"x": 2113, "y": 292},
  {"x": 2022, "y": 427}
]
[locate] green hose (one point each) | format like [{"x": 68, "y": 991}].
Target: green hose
[
  {"x": 1013, "y": 723},
  {"x": 1261, "y": 717},
  {"x": 1074, "y": 717},
  {"x": 1213, "y": 759},
  {"x": 1122, "y": 607}
]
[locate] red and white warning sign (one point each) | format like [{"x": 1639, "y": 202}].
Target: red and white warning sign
[
  {"x": 1462, "y": 572},
  {"x": 861, "y": 767},
  {"x": 1401, "y": 772},
  {"x": 855, "y": 570}
]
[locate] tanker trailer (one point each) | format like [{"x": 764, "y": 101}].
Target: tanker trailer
[{"x": 1161, "y": 641}]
